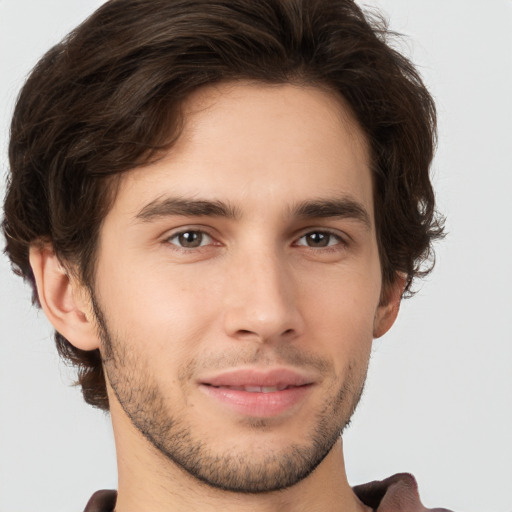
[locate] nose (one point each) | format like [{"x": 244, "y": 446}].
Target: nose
[{"x": 261, "y": 300}]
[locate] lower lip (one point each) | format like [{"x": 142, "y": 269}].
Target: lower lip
[{"x": 259, "y": 405}]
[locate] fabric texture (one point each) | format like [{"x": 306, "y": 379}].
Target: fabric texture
[
  {"x": 102, "y": 501},
  {"x": 398, "y": 493}
]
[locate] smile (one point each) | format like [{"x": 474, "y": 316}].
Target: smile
[
  {"x": 257, "y": 393},
  {"x": 257, "y": 389}
]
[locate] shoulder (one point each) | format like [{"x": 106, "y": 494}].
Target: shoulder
[
  {"x": 398, "y": 493},
  {"x": 102, "y": 501}
]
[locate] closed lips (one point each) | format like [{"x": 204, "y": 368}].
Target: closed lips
[
  {"x": 257, "y": 389},
  {"x": 258, "y": 381}
]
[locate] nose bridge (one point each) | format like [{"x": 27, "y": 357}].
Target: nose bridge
[{"x": 261, "y": 295}]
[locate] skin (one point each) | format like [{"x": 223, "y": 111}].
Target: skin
[{"x": 180, "y": 296}]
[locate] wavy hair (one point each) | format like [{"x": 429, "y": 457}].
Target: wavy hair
[{"x": 107, "y": 99}]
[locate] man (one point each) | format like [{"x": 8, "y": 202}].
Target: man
[{"x": 220, "y": 204}]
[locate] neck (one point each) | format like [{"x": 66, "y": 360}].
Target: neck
[{"x": 150, "y": 481}]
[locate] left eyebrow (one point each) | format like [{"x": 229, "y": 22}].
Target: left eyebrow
[{"x": 345, "y": 208}]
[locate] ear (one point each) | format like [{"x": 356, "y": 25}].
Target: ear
[
  {"x": 388, "y": 308},
  {"x": 64, "y": 300}
]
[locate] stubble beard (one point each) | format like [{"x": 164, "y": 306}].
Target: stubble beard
[{"x": 240, "y": 472}]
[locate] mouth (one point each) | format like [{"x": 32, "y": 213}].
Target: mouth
[
  {"x": 258, "y": 394},
  {"x": 256, "y": 389}
]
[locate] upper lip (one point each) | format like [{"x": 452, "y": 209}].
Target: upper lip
[{"x": 276, "y": 377}]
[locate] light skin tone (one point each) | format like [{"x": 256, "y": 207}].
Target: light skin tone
[{"x": 237, "y": 294}]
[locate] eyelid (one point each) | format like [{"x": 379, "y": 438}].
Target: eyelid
[
  {"x": 340, "y": 236},
  {"x": 169, "y": 235}
]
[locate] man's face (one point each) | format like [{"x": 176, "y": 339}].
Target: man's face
[{"x": 238, "y": 286}]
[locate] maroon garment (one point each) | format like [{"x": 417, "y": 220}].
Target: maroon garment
[
  {"x": 398, "y": 493},
  {"x": 102, "y": 501}
]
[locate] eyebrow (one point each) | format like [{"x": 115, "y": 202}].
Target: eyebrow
[
  {"x": 186, "y": 207},
  {"x": 336, "y": 208},
  {"x": 312, "y": 209}
]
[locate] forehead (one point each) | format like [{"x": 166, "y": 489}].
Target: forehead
[{"x": 254, "y": 144}]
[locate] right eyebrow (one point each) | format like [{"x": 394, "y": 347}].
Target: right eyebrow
[{"x": 169, "y": 206}]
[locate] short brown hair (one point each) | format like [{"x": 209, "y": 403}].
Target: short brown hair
[{"x": 107, "y": 99}]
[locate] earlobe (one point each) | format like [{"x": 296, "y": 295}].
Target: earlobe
[
  {"x": 387, "y": 312},
  {"x": 63, "y": 299}
]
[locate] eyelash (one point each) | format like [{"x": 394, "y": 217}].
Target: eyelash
[
  {"x": 200, "y": 232},
  {"x": 340, "y": 242}
]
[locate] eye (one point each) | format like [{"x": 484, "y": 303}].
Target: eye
[
  {"x": 319, "y": 239},
  {"x": 190, "y": 239}
]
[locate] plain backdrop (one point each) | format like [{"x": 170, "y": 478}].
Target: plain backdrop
[{"x": 438, "y": 401}]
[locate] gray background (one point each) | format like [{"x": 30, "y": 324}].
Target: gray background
[{"x": 438, "y": 402}]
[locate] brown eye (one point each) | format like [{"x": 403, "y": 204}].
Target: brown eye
[
  {"x": 319, "y": 239},
  {"x": 190, "y": 239}
]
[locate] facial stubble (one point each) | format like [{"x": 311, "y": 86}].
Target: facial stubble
[{"x": 236, "y": 471}]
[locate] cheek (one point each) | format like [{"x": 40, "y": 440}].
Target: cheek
[
  {"x": 168, "y": 311},
  {"x": 340, "y": 316}
]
